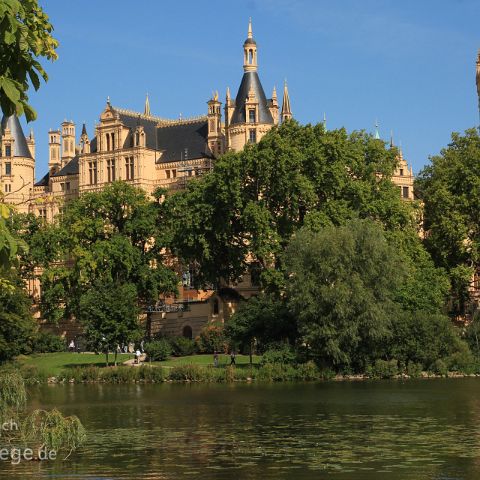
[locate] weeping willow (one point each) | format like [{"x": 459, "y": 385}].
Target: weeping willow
[{"x": 39, "y": 429}]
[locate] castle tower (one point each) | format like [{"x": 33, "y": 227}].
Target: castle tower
[
  {"x": 286, "y": 110},
  {"x": 54, "y": 157},
  {"x": 274, "y": 106},
  {"x": 31, "y": 144},
  {"x": 229, "y": 109},
  {"x": 68, "y": 142},
  {"x": 17, "y": 165},
  {"x": 251, "y": 117},
  {"x": 84, "y": 141},
  {"x": 215, "y": 139}
]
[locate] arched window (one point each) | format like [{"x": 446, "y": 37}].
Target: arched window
[
  {"x": 187, "y": 332},
  {"x": 250, "y": 56}
]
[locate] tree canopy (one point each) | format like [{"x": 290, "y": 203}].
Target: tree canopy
[
  {"x": 240, "y": 217},
  {"x": 450, "y": 191},
  {"x": 112, "y": 237}
]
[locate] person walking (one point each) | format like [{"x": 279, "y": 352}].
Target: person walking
[
  {"x": 232, "y": 357},
  {"x": 71, "y": 347}
]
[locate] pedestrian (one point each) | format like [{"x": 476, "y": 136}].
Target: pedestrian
[
  {"x": 71, "y": 346},
  {"x": 138, "y": 355},
  {"x": 142, "y": 345},
  {"x": 125, "y": 348},
  {"x": 232, "y": 357},
  {"x": 215, "y": 358}
]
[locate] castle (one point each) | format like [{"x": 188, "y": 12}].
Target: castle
[{"x": 146, "y": 151}]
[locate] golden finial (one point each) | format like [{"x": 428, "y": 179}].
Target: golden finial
[{"x": 250, "y": 34}]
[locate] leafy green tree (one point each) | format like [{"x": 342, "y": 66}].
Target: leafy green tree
[
  {"x": 239, "y": 218},
  {"x": 342, "y": 287},
  {"x": 25, "y": 38},
  {"x": 112, "y": 237},
  {"x": 109, "y": 314},
  {"x": 17, "y": 326},
  {"x": 259, "y": 322},
  {"x": 450, "y": 191}
]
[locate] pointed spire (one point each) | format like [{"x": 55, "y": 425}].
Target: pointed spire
[
  {"x": 286, "y": 110},
  {"x": 228, "y": 94},
  {"x": 274, "y": 93},
  {"x": 108, "y": 100},
  {"x": 20, "y": 147},
  {"x": 391, "y": 139},
  {"x": 324, "y": 121},
  {"x": 84, "y": 130},
  {"x": 250, "y": 34},
  {"x": 146, "y": 110},
  {"x": 377, "y": 134}
]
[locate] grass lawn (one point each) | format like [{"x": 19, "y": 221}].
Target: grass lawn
[
  {"x": 54, "y": 363},
  {"x": 207, "y": 359}
]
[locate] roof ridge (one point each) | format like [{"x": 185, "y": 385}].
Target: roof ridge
[{"x": 154, "y": 118}]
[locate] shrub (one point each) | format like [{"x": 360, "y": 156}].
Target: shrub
[
  {"x": 151, "y": 374},
  {"x": 414, "y": 370},
  {"x": 462, "y": 362},
  {"x": 193, "y": 373},
  {"x": 158, "y": 350},
  {"x": 280, "y": 354},
  {"x": 81, "y": 374},
  {"x": 47, "y": 342},
  {"x": 439, "y": 367},
  {"x": 212, "y": 338},
  {"x": 182, "y": 346},
  {"x": 308, "y": 371},
  {"x": 385, "y": 368}
]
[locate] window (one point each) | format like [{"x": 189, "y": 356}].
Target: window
[
  {"x": 111, "y": 170},
  {"x": 108, "y": 141},
  {"x": 62, "y": 187},
  {"x": 401, "y": 172},
  {"x": 251, "y": 116},
  {"x": 8, "y": 168},
  {"x": 42, "y": 213},
  {"x": 92, "y": 173},
  {"x": 215, "y": 306},
  {"x": 8, "y": 187},
  {"x": 187, "y": 332},
  {"x": 167, "y": 172},
  {"x": 405, "y": 192},
  {"x": 8, "y": 150},
  {"x": 174, "y": 173},
  {"x": 113, "y": 141},
  {"x": 67, "y": 186},
  {"x": 129, "y": 168},
  {"x": 252, "y": 136}
]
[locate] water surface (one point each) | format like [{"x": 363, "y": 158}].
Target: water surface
[{"x": 425, "y": 429}]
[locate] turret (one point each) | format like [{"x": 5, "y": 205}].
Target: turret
[
  {"x": 274, "y": 106},
  {"x": 215, "y": 140},
  {"x": 54, "y": 156},
  {"x": 250, "y": 51},
  {"x": 31, "y": 143},
  {"x": 84, "y": 140},
  {"x": 17, "y": 165},
  {"x": 286, "y": 110},
  {"x": 68, "y": 141}
]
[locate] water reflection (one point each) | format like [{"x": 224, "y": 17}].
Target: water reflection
[{"x": 346, "y": 431}]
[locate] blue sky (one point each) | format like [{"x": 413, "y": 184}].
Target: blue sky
[{"x": 409, "y": 64}]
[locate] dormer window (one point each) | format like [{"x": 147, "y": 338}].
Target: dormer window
[
  {"x": 8, "y": 150},
  {"x": 251, "y": 115},
  {"x": 8, "y": 168},
  {"x": 401, "y": 172}
]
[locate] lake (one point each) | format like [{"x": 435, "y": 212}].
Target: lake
[{"x": 416, "y": 429}]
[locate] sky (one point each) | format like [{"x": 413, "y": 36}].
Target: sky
[{"x": 409, "y": 65}]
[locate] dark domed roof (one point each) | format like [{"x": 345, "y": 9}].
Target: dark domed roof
[{"x": 250, "y": 41}]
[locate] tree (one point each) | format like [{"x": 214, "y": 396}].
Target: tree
[
  {"x": 109, "y": 314},
  {"x": 450, "y": 191},
  {"x": 342, "y": 286},
  {"x": 25, "y": 37},
  {"x": 239, "y": 218},
  {"x": 112, "y": 238},
  {"x": 261, "y": 321}
]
